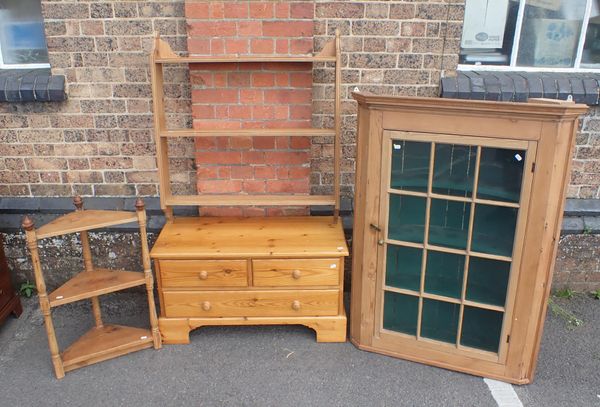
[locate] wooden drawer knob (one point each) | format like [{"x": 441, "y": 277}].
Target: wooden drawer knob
[
  {"x": 296, "y": 305},
  {"x": 296, "y": 274},
  {"x": 206, "y": 306},
  {"x": 227, "y": 271},
  {"x": 203, "y": 275}
]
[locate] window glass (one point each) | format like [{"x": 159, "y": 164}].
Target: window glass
[
  {"x": 591, "y": 50},
  {"x": 22, "y": 39},
  {"x": 550, "y": 33}
]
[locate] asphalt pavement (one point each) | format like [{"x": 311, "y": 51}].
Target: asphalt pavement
[{"x": 275, "y": 366}]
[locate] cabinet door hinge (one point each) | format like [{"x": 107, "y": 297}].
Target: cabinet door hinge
[
  {"x": 507, "y": 338},
  {"x": 532, "y": 167}
]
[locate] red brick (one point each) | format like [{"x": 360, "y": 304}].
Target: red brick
[
  {"x": 281, "y": 112},
  {"x": 224, "y": 172},
  {"x": 282, "y": 142},
  {"x": 216, "y": 124},
  {"x": 300, "y": 143},
  {"x": 302, "y": 10},
  {"x": 251, "y": 211},
  {"x": 262, "y": 112},
  {"x": 223, "y": 142},
  {"x": 240, "y": 112},
  {"x": 206, "y": 172},
  {"x": 212, "y": 29},
  {"x": 261, "y": 9},
  {"x": 196, "y": 10},
  {"x": 202, "y": 78},
  {"x": 243, "y": 172},
  {"x": 240, "y": 142},
  {"x": 262, "y": 46},
  {"x": 250, "y": 28},
  {"x": 286, "y": 157},
  {"x": 219, "y": 157},
  {"x": 251, "y": 96},
  {"x": 264, "y": 143},
  {"x": 301, "y": 46},
  {"x": 283, "y": 96},
  {"x": 236, "y": 10},
  {"x": 260, "y": 79},
  {"x": 205, "y": 143},
  {"x": 299, "y": 172},
  {"x": 253, "y": 186},
  {"x": 300, "y": 112},
  {"x": 217, "y": 47},
  {"x": 221, "y": 211},
  {"x": 203, "y": 112},
  {"x": 278, "y": 66},
  {"x": 282, "y": 173},
  {"x": 288, "y": 28},
  {"x": 222, "y": 112},
  {"x": 236, "y": 46},
  {"x": 217, "y": 10},
  {"x": 264, "y": 172},
  {"x": 283, "y": 211},
  {"x": 282, "y": 10},
  {"x": 215, "y": 95},
  {"x": 282, "y": 79},
  {"x": 282, "y": 46},
  {"x": 199, "y": 46},
  {"x": 219, "y": 186},
  {"x": 290, "y": 186},
  {"x": 253, "y": 157},
  {"x": 220, "y": 79},
  {"x": 301, "y": 79},
  {"x": 238, "y": 79}
]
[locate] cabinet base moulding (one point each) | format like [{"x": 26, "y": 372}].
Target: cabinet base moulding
[{"x": 328, "y": 329}]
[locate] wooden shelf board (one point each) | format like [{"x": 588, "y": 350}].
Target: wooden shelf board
[
  {"x": 254, "y": 237},
  {"x": 88, "y": 284},
  {"x": 306, "y": 132},
  {"x": 235, "y": 59},
  {"x": 84, "y": 220},
  {"x": 104, "y": 343},
  {"x": 250, "y": 200}
]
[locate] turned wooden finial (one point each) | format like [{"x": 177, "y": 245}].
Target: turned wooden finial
[
  {"x": 78, "y": 202},
  {"x": 139, "y": 204},
  {"x": 27, "y": 223}
]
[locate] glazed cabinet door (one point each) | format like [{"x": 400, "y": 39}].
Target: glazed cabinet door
[{"x": 452, "y": 217}]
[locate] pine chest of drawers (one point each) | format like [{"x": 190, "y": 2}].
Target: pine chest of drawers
[{"x": 251, "y": 271}]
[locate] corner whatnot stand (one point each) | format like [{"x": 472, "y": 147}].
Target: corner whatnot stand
[
  {"x": 248, "y": 271},
  {"x": 102, "y": 342}
]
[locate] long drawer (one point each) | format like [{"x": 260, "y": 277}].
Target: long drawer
[
  {"x": 250, "y": 303},
  {"x": 203, "y": 273},
  {"x": 295, "y": 272}
]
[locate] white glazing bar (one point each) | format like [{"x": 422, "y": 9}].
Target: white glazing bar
[
  {"x": 517, "y": 38},
  {"x": 584, "y": 27}
]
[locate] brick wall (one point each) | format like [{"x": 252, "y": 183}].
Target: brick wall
[
  {"x": 257, "y": 95},
  {"x": 100, "y": 141}
]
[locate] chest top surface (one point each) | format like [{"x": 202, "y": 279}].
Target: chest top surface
[{"x": 224, "y": 237}]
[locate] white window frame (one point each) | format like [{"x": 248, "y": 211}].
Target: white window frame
[{"x": 512, "y": 67}]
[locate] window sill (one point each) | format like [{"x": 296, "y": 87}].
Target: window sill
[
  {"x": 520, "y": 86},
  {"x": 31, "y": 85}
]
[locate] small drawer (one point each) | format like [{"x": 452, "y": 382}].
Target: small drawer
[
  {"x": 203, "y": 273},
  {"x": 296, "y": 272},
  {"x": 250, "y": 303}
]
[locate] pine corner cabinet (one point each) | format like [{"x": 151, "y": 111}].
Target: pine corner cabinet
[{"x": 458, "y": 209}]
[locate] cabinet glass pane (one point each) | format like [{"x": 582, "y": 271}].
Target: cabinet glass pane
[
  {"x": 406, "y": 218},
  {"x": 449, "y": 223},
  {"x": 481, "y": 328},
  {"x": 440, "y": 320},
  {"x": 487, "y": 281},
  {"x": 410, "y": 165},
  {"x": 494, "y": 229},
  {"x": 400, "y": 312},
  {"x": 453, "y": 169},
  {"x": 403, "y": 267},
  {"x": 500, "y": 174},
  {"x": 444, "y": 274}
]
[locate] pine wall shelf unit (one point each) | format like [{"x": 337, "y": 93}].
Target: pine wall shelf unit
[
  {"x": 248, "y": 271},
  {"x": 458, "y": 209},
  {"x": 103, "y": 341}
]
